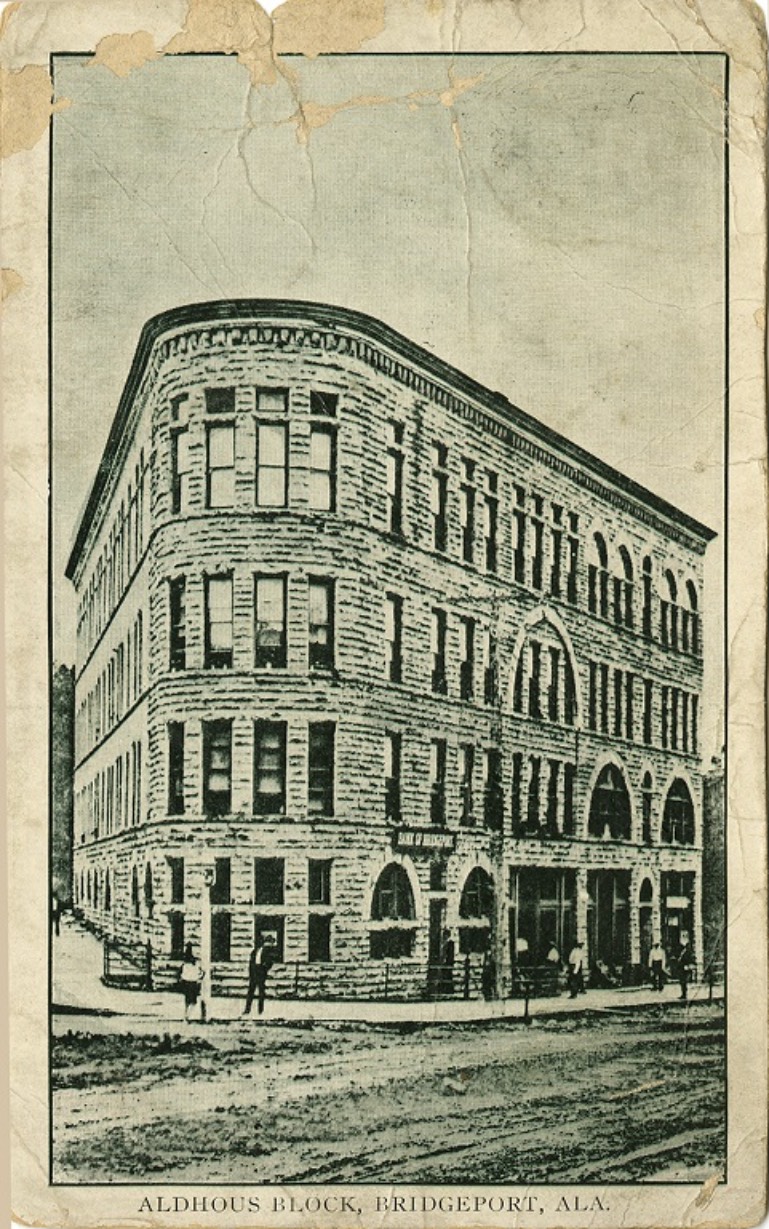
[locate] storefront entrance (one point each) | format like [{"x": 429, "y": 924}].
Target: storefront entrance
[
  {"x": 541, "y": 914},
  {"x": 608, "y": 918},
  {"x": 645, "y": 920},
  {"x": 677, "y": 910}
]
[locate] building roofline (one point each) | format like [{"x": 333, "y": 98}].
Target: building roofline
[{"x": 324, "y": 314}]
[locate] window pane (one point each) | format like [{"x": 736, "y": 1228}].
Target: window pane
[
  {"x": 272, "y": 488},
  {"x": 221, "y": 447},
  {"x": 272, "y": 445},
  {"x": 320, "y": 450},
  {"x": 320, "y": 492},
  {"x": 221, "y": 489},
  {"x": 272, "y": 401}
]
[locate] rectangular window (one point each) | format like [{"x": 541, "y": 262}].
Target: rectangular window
[
  {"x": 217, "y": 767},
  {"x": 467, "y": 510},
  {"x": 271, "y": 465},
  {"x": 515, "y": 797},
  {"x": 320, "y": 768},
  {"x": 617, "y": 703},
  {"x": 532, "y": 813},
  {"x": 535, "y": 707},
  {"x": 684, "y": 721},
  {"x": 551, "y": 813},
  {"x": 694, "y": 717},
  {"x": 269, "y": 880},
  {"x": 319, "y": 881},
  {"x": 466, "y": 771},
  {"x": 221, "y": 888},
  {"x": 271, "y": 401},
  {"x": 664, "y": 715},
  {"x": 322, "y": 404},
  {"x": 270, "y": 622},
  {"x": 554, "y": 687},
  {"x": 674, "y": 718},
  {"x": 556, "y": 543},
  {"x": 592, "y": 706},
  {"x": 176, "y": 768},
  {"x": 176, "y": 871},
  {"x": 221, "y": 936},
  {"x": 569, "y": 774},
  {"x": 319, "y": 938},
  {"x": 178, "y": 624},
  {"x": 321, "y": 630},
  {"x": 439, "y": 496},
  {"x": 490, "y": 519},
  {"x": 604, "y": 670},
  {"x": 519, "y": 548},
  {"x": 322, "y": 468},
  {"x": 176, "y": 934},
  {"x": 466, "y": 665},
  {"x": 218, "y": 621},
  {"x": 220, "y": 400},
  {"x": 489, "y": 666},
  {"x": 629, "y": 704},
  {"x": 538, "y": 526},
  {"x": 438, "y": 781},
  {"x": 269, "y": 767},
  {"x": 438, "y": 649},
  {"x": 392, "y": 750},
  {"x": 270, "y": 924},
  {"x": 393, "y": 637},
  {"x": 647, "y": 718},
  {"x": 395, "y": 477},
  {"x": 180, "y": 471},
  {"x": 492, "y": 789},
  {"x": 220, "y": 476}
]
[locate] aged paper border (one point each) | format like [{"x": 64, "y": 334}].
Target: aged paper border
[{"x": 124, "y": 34}]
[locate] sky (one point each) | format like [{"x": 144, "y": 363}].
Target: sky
[{"x": 551, "y": 225}]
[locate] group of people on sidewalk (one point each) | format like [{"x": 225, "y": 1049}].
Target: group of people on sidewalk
[
  {"x": 192, "y": 975},
  {"x": 601, "y": 976}
]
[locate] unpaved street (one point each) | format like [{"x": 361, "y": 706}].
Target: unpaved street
[{"x": 607, "y": 1098}]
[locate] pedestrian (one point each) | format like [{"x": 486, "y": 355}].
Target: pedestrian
[
  {"x": 447, "y": 966},
  {"x": 260, "y": 962},
  {"x": 56, "y": 913},
  {"x": 190, "y": 978},
  {"x": 488, "y": 976},
  {"x": 576, "y": 971},
  {"x": 657, "y": 965},
  {"x": 685, "y": 966}
]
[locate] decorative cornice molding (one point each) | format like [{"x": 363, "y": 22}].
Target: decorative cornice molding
[{"x": 294, "y": 325}]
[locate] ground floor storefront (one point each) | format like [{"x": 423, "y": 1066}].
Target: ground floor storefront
[{"x": 433, "y": 914}]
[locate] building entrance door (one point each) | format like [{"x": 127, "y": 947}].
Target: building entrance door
[
  {"x": 645, "y": 921},
  {"x": 608, "y": 917},
  {"x": 435, "y": 947}
]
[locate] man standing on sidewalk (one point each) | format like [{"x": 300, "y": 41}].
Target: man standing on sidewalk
[
  {"x": 576, "y": 971},
  {"x": 685, "y": 966},
  {"x": 656, "y": 964},
  {"x": 259, "y": 964}
]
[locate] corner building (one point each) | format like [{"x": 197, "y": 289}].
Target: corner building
[{"x": 368, "y": 657}]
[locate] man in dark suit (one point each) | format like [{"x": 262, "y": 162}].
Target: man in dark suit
[{"x": 260, "y": 962}]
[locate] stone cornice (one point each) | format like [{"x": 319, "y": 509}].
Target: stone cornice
[{"x": 292, "y": 326}]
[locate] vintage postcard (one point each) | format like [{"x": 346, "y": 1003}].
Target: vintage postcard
[{"x": 384, "y": 408}]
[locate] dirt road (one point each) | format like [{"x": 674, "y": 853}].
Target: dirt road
[{"x": 598, "y": 1098}]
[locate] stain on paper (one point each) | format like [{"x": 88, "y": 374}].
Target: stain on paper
[{"x": 26, "y": 106}]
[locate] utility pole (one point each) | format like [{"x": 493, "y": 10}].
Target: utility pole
[{"x": 205, "y": 941}]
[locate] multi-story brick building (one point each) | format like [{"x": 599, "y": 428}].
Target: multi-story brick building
[{"x": 377, "y": 656}]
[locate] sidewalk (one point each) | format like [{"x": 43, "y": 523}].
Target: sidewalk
[{"x": 77, "y": 988}]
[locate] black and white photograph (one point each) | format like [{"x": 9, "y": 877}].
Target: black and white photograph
[{"x": 388, "y": 637}]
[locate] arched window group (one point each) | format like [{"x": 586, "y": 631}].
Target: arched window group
[{"x": 544, "y": 682}]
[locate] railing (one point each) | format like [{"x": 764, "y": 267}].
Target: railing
[
  {"x": 377, "y": 980},
  {"x": 127, "y": 966}
]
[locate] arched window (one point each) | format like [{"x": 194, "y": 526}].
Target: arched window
[
  {"x": 476, "y": 909},
  {"x": 477, "y": 895},
  {"x": 678, "y": 816},
  {"x": 598, "y": 578},
  {"x": 623, "y": 591},
  {"x": 669, "y": 612},
  {"x": 646, "y": 620},
  {"x": 544, "y": 682},
  {"x": 610, "y": 806},
  {"x": 149, "y": 892},
  {"x": 392, "y": 904},
  {"x": 646, "y": 809},
  {"x": 393, "y": 898}
]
